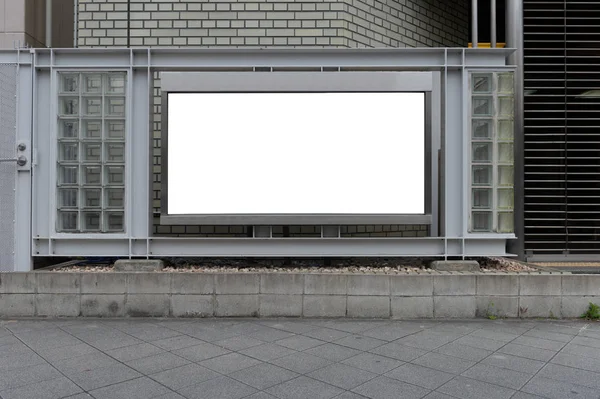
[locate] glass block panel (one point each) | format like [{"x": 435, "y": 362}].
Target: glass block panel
[
  {"x": 482, "y": 198},
  {"x": 506, "y": 153},
  {"x": 506, "y": 198},
  {"x": 92, "y": 175},
  {"x": 69, "y": 83},
  {"x": 67, "y": 221},
  {"x": 68, "y": 174},
  {"x": 69, "y": 106},
  {"x": 114, "y": 152},
  {"x": 114, "y": 221},
  {"x": 92, "y": 197},
  {"x": 92, "y": 83},
  {"x": 92, "y": 152},
  {"x": 69, "y": 129},
  {"x": 115, "y": 130},
  {"x": 92, "y": 129},
  {"x": 91, "y": 221},
  {"x": 482, "y": 83},
  {"x": 68, "y": 152},
  {"x": 68, "y": 197},
  {"x": 482, "y": 175},
  {"x": 115, "y": 197},
  {"x": 482, "y": 129},
  {"x": 115, "y": 106},
  {"x": 506, "y": 130},
  {"x": 482, "y": 152},
  {"x": 115, "y": 83},
  {"x": 506, "y": 222},
  {"x": 115, "y": 175},
  {"x": 506, "y": 106},
  {"x": 483, "y": 106},
  {"x": 506, "y": 83},
  {"x": 92, "y": 106},
  {"x": 481, "y": 221},
  {"x": 506, "y": 175}
]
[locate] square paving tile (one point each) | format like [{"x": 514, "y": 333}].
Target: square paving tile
[
  {"x": 480, "y": 342},
  {"x": 177, "y": 342},
  {"x": 541, "y": 343},
  {"x": 327, "y": 334},
  {"x": 299, "y": 342},
  {"x": 571, "y": 375},
  {"x": 438, "y": 395},
  {"x": 428, "y": 340},
  {"x": 463, "y": 351},
  {"x": 449, "y": 364},
  {"x": 52, "y": 389},
  {"x": 579, "y": 362},
  {"x": 494, "y": 335},
  {"x": 261, "y": 395},
  {"x": 579, "y": 350},
  {"x": 421, "y": 376},
  {"x": 495, "y": 375},
  {"x": 549, "y": 335},
  {"x": 56, "y": 354},
  {"x": 342, "y": 376},
  {"x": 19, "y": 377},
  {"x": 466, "y": 388},
  {"x": 399, "y": 352},
  {"x": 303, "y": 388},
  {"x": 516, "y": 363},
  {"x": 586, "y": 341},
  {"x": 263, "y": 376},
  {"x": 291, "y": 325},
  {"x": 360, "y": 342},
  {"x": 85, "y": 363},
  {"x": 553, "y": 389},
  {"x": 333, "y": 352},
  {"x": 133, "y": 352},
  {"x": 238, "y": 342},
  {"x": 389, "y": 388},
  {"x": 222, "y": 388},
  {"x": 230, "y": 363},
  {"x": 301, "y": 362},
  {"x": 98, "y": 378},
  {"x": 268, "y": 334},
  {"x": 140, "y": 388},
  {"x": 527, "y": 352},
  {"x": 184, "y": 376},
  {"x": 373, "y": 363},
  {"x": 392, "y": 332},
  {"x": 156, "y": 363},
  {"x": 267, "y": 352},
  {"x": 200, "y": 352}
]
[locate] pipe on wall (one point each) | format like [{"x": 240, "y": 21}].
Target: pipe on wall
[
  {"x": 48, "y": 23},
  {"x": 474, "y": 22}
]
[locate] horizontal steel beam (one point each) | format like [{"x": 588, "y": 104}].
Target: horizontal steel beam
[{"x": 271, "y": 247}]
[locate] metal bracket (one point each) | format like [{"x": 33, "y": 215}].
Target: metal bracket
[{"x": 23, "y": 155}]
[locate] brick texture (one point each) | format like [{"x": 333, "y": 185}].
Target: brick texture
[{"x": 268, "y": 23}]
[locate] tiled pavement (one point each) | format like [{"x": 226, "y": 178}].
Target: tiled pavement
[{"x": 289, "y": 359}]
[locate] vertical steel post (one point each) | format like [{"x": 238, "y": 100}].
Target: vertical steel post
[
  {"x": 48, "y": 23},
  {"x": 493, "y": 30},
  {"x": 514, "y": 39},
  {"x": 474, "y": 22}
]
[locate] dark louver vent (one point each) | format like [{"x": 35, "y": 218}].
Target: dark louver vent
[{"x": 562, "y": 128}]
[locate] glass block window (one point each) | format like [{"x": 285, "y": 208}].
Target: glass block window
[
  {"x": 91, "y": 152},
  {"x": 492, "y": 152}
]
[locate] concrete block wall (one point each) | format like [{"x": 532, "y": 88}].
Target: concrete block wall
[
  {"x": 426, "y": 295},
  {"x": 272, "y": 23}
]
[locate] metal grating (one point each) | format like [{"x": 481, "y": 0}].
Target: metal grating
[
  {"x": 562, "y": 127},
  {"x": 8, "y": 170}
]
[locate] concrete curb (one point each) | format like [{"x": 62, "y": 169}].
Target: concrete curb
[{"x": 439, "y": 295}]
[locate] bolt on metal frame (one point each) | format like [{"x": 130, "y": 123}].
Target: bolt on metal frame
[{"x": 36, "y": 201}]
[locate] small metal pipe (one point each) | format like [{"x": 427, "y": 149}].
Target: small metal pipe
[
  {"x": 48, "y": 23},
  {"x": 493, "y": 30},
  {"x": 474, "y": 22}
]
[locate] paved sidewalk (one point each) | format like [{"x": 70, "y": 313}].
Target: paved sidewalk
[{"x": 289, "y": 359}]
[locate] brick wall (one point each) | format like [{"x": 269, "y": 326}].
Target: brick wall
[{"x": 262, "y": 23}]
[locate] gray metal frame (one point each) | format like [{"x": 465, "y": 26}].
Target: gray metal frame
[
  {"x": 298, "y": 82},
  {"x": 36, "y": 235}
]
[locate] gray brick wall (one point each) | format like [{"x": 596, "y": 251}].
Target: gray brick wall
[{"x": 269, "y": 23}]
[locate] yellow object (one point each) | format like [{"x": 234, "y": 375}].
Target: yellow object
[{"x": 488, "y": 45}]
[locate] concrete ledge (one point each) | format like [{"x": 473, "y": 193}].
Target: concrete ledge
[
  {"x": 455, "y": 266},
  {"x": 139, "y": 265},
  {"x": 435, "y": 295}
]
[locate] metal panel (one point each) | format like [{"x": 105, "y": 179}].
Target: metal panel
[
  {"x": 562, "y": 129},
  {"x": 8, "y": 169}
]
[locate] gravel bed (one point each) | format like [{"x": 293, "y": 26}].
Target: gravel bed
[{"x": 358, "y": 266}]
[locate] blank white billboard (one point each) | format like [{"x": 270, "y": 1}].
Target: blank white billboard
[{"x": 296, "y": 153}]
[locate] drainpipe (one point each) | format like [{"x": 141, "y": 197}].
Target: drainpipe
[
  {"x": 48, "y": 23},
  {"x": 474, "y": 22}
]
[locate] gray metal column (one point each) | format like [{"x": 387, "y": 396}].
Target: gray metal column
[
  {"x": 474, "y": 22},
  {"x": 493, "y": 28},
  {"x": 514, "y": 39}
]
